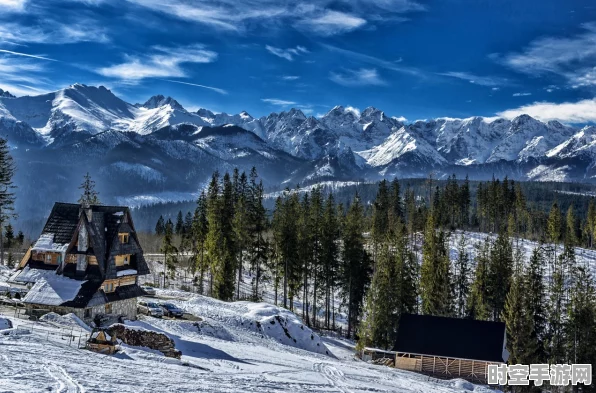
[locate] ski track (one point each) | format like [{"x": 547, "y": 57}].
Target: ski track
[
  {"x": 335, "y": 377},
  {"x": 66, "y": 384}
]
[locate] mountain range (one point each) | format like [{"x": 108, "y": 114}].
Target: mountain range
[{"x": 158, "y": 150}]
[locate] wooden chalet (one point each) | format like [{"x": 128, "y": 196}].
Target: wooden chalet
[
  {"x": 87, "y": 261},
  {"x": 449, "y": 347}
]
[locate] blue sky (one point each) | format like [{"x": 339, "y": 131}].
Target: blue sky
[{"x": 416, "y": 59}]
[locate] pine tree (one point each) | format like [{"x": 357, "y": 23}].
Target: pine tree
[
  {"x": 160, "y": 227},
  {"x": 9, "y": 240},
  {"x": 380, "y": 216},
  {"x": 179, "y": 223},
  {"x": 20, "y": 238},
  {"x": 500, "y": 272},
  {"x": 10, "y": 260},
  {"x": 518, "y": 322},
  {"x": 536, "y": 303},
  {"x": 570, "y": 231},
  {"x": 7, "y": 195},
  {"x": 169, "y": 251},
  {"x": 223, "y": 279},
  {"x": 581, "y": 325},
  {"x": 89, "y": 196},
  {"x": 187, "y": 228},
  {"x": 259, "y": 246},
  {"x": 241, "y": 224},
  {"x": 477, "y": 305},
  {"x": 590, "y": 224},
  {"x": 462, "y": 276},
  {"x": 435, "y": 274},
  {"x": 329, "y": 256},
  {"x": 355, "y": 265},
  {"x": 200, "y": 228}
]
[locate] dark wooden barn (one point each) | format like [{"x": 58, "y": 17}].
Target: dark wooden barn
[{"x": 449, "y": 347}]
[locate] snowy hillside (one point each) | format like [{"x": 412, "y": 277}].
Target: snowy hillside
[{"x": 222, "y": 354}]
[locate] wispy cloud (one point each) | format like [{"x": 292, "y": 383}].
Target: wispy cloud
[
  {"x": 489, "y": 81},
  {"x": 23, "y": 75},
  {"x": 162, "y": 63},
  {"x": 375, "y": 61},
  {"x": 583, "y": 111},
  {"x": 360, "y": 77},
  {"x": 319, "y": 17},
  {"x": 12, "y": 5},
  {"x": 290, "y": 77},
  {"x": 331, "y": 23},
  {"x": 571, "y": 57},
  {"x": 216, "y": 89},
  {"x": 278, "y": 102},
  {"x": 521, "y": 94},
  {"x": 288, "y": 53},
  {"x": 26, "y": 55},
  {"x": 53, "y": 32}
]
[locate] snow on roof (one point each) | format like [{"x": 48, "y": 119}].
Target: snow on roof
[
  {"x": 127, "y": 272},
  {"x": 46, "y": 243},
  {"x": 53, "y": 290},
  {"x": 29, "y": 275}
]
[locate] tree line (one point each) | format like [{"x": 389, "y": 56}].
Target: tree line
[{"x": 392, "y": 256}]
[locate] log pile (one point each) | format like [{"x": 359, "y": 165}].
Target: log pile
[
  {"x": 384, "y": 362},
  {"x": 145, "y": 338}
]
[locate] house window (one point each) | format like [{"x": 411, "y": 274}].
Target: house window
[
  {"x": 109, "y": 308},
  {"x": 123, "y": 260},
  {"x": 123, "y": 238},
  {"x": 108, "y": 287},
  {"x": 48, "y": 258},
  {"x": 87, "y": 313}
]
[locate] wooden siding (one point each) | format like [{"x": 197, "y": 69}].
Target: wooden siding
[
  {"x": 25, "y": 258},
  {"x": 443, "y": 367}
]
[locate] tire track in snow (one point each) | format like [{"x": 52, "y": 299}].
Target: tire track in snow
[
  {"x": 334, "y": 376},
  {"x": 66, "y": 384}
]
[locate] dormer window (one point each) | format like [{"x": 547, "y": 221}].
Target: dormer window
[
  {"x": 123, "y": 238},
  {"x": 109, "y": 287},
  {"x": 123, "y": 260}
]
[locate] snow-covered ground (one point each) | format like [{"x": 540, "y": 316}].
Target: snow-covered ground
[{"x": 226, "y": 355}]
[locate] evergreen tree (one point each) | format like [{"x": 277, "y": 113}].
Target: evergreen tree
[
  {"x": 89, "y": 196},
  {"x": 536, "y": 303},
  {"x": 241, "y": 224},
  {"x": 330, "y": 234},
  {"x": 590, "y": 224},
  {"x": 462, "y": 276},
  {"x": 500, "y": 272},
  {"x": 380, "y": 216},
  {"x": 581, "y": 325},
  {"x": 169, "y": 251},
  {"x": 179, "y": 223},
  {"x": 259, "y": 246},
  {"x": 570, "y": 230},
  {"x": 223, "y": 279},
  {"x": 187, "y": 228},
  {"x": 160, "y": 227},
  {"x": 20, "y": 238},
  {"x": 378, "y": 327},
  {"x": 7, "y": 197},
  {"x": 200, "y": 228},
  {"x": 9, "y": 240},
  {"x": 477, "y": 306},
  {"x": 518, "y": 322},
  {"x": 355, "y": 265},
  {"x": 435, "y": 272}
]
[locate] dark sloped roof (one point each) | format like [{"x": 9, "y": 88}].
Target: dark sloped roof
[
  {"x": 451, "y": 337},
  {"x": 125, "y": 292},
  {"x": 62, "y": 222}
]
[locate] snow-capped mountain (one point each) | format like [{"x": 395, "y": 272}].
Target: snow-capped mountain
[{"x": 159, "y": 146}]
